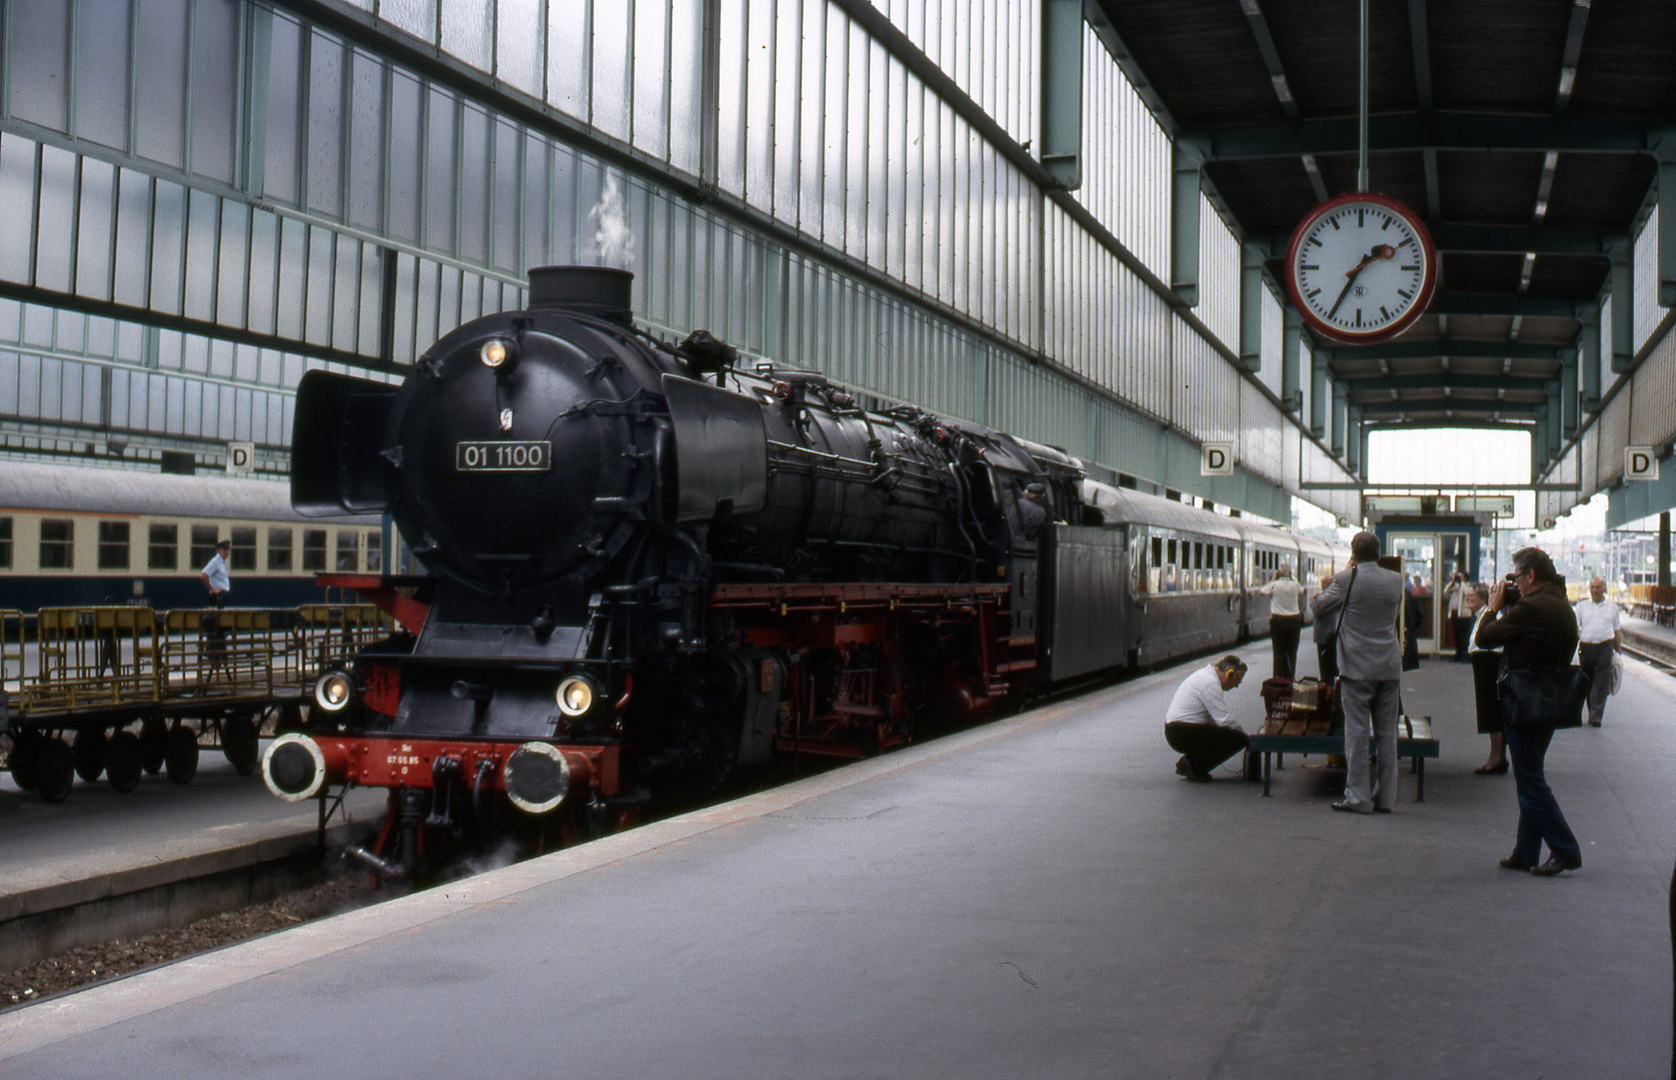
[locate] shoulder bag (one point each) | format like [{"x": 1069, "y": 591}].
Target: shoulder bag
[{"x": 1543, "y": 697}]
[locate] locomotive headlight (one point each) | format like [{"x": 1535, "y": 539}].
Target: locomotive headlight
[
  {"x": 333, "y": 690},
  {"x": 576, "y": 695},
  {"x": 495, "y": 353}
]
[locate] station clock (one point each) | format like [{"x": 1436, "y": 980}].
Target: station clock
[{"x": 1361, "y": 268}]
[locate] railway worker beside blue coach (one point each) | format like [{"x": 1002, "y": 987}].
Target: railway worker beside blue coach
[
  {"x": 1286, "y": 620},
  {"x": 214, "y": 574},
  {"x": 1199, "y": 724}
]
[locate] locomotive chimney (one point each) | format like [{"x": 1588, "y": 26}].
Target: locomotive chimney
[{"x": 600, "y": 292}]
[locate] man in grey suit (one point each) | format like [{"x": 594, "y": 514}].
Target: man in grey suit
[{"x": 1362, "y": 600}]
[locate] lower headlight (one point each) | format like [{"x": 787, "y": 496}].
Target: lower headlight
[
  {"x": 333, "y": 691},
  {"x": 576, "y": 695},
  {"x": 537, "y": 777}
]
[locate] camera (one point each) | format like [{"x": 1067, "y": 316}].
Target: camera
[{"x": 1509, "y": 592}]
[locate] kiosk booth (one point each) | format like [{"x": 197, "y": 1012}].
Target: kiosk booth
[{"x": 1433, "y": 547}]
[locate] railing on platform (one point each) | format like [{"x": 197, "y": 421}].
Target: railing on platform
[{"x": 87, "y": 659}]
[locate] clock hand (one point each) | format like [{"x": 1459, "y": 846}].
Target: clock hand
[{"x": 1380, "y": 251}]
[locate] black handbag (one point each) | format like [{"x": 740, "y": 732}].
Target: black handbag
[{"x": 1543, "y": 697}]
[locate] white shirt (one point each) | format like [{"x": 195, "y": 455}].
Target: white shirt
[
  {"x": 216, "y": 571},
  {"x": 1286, "y": 596},
  {"x": 1198, "y": 700},
  {"x": 1596, "y": 622},
  {"x": 1477, "y": 621}
]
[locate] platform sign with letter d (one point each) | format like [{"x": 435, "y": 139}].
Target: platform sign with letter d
[
  {"x": 1640, "y": 463},
  {"x": 1218, "y": 459},
  {"x": 240, "y": 457}
]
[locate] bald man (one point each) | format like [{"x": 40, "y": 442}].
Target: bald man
[{"x": 1599, "y": 639}]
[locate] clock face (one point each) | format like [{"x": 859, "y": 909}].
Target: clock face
[{"x": 1361, "y": 268}]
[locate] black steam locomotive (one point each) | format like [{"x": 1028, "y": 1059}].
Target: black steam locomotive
[{"x": 649, "y": 566}]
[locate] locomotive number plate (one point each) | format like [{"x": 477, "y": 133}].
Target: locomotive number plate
[{"x": 503, "y": 456}]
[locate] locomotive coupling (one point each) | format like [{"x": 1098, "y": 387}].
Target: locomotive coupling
[{"x": 297, "y": 766}]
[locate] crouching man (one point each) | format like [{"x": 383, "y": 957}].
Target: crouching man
[{"x": 1198, "y": 723}]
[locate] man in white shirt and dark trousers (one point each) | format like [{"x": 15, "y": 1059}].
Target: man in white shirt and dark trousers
[
  {"x": 1286, "y": 620},
  {"x": 1599, "y": 639},
  {"x": 1199, "y": 724}
]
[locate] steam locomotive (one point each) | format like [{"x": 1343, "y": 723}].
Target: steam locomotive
[{"x": 650, "y": 566}]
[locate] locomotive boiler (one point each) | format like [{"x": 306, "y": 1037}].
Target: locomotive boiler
[{"x": 647, "y": 565}]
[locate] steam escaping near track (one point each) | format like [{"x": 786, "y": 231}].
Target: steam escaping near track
[{"x": 612, "y": 236}]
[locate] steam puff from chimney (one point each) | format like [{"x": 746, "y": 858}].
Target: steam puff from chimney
[{"x": 612, "y": 237}]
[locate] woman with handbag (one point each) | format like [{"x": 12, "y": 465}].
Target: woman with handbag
[
  {"x": 1539, "y": 688},
  {"x": 1486, "y": 696}
]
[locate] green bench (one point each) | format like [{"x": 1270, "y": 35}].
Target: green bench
[{"x": 1288, "y": 735}]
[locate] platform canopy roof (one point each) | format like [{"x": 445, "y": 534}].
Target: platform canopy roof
[{"x": 1528, "y": 133}]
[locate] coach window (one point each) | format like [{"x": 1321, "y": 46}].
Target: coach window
[
  {"x": 349, "y": 555},
  {"x": 5, "y": 543},
  {"x": 244, "y": 548},
  {"x": 163, "y": 548},
  {"x": 203, "y": 545},
  {"x": 58, "y": 544},
  {"x": 375, "y": 553},
  {"x": 113, "y": 545},
  {"x": 314, "y": 550},
  {"x": 279, "y": 550}
]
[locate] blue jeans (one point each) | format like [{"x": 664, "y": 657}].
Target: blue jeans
[{"x": 1539, "y": 812}]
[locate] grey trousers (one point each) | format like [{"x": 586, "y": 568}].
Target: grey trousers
[
  {"x": 1368, "y": 701},
  {"x": 1596, "y": 659}
]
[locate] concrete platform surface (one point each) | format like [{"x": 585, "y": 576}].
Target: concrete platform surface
[{"x": 1038, "y": 897}]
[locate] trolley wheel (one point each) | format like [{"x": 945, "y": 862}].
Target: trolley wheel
[
  {"x": 124, "y": 759},
  {"x": 26, "y": 750},
  {"x": 55, "y": 770},
  {"x": 239, "y": 743},
  {"x": 181, "y": 759},
  {"x": 154, "y": 744},
  {"x": 89, "y": 750}
]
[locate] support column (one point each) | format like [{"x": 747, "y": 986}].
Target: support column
[
  {"x": 1569, "y": 419},
  {"x": 1666, "y": 157},
  {"x": 1319, "y": 395},
  {"x": 710, "y": 93},
  {"x": 1589, "y": 361},
  {"x": 1184, "y": 223},
  {"x": 1339, "y": 420},
  {"x": 1062, "y": 91},
  {"x": 1251, "y": 305},
  {"x": 1290, "y": 349},
  {"x": 1362, "y": 439},
  {"x": 1353, "y": 438},
  {"x": 1664, "y": 550},
  {"x": 1622, "y": 280}
]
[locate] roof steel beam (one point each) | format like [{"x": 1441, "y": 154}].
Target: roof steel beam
[
  {"x": 1420, "y": 45},
  {"x": 1460, "y": 302},
  {"x": 1271, "y": 57},
  {"x": 1451, "y": 406},
  {"x": 1511, "y": 239},
  {"x": 1412, "y": 350},
  {"x": 1437, "y": 130},
  {"x": 1568, "y": 59},
  {"x": 1373, "y": 384}
]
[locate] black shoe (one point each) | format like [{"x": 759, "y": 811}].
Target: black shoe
[
  {"x": 1554, "y": 865},
  {"x": 1513, "y": 862},
  {"x": 1352, "y": 807},
  {"x": 1594, "y": 723},
  {"x": 1497, "y": 769},
  {"x": 1382, "y": 809},
  {"x": 1181, "y": 766}
]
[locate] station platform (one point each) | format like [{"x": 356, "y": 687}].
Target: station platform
[{"x": 1040, "y": 896}]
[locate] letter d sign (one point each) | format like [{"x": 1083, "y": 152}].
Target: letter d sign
[
  {"x": 1640, "y": 463},
  {"x": 1217, "y": 460},
  {"x": 240, "y": 457}
]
